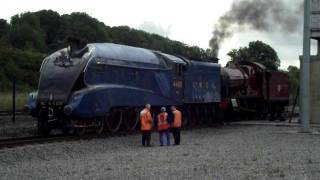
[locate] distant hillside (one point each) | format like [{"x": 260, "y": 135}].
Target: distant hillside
[{"x": 30, "y": 36}]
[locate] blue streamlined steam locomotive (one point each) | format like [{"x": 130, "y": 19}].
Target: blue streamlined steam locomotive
[{"x": 105, "y": 85}]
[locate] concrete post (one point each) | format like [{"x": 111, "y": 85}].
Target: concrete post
[
  {"x": 305, "y": 71},
  {"x": 318, "y": 47}
]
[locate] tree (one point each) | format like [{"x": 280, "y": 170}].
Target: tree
[
  {"x": 31, "y": 36},
  {"x": 23, "y": 64},
  {"x": 46, "y": 31},
  {"x": 259, "y": 52},
  {"x": 26, "y": 33},
  {"x": 81, "y": 25},
  {"x": 4, "y": 27},
  {"x": 51, "y": 25}
]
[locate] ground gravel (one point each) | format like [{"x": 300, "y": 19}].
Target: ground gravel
[{"x": 229, "y": 152}]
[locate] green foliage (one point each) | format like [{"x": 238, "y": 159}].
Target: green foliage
[
  {"x": 132, "y": 37},
  {"x": 4, "y": 28},
  {"x": 82, "y": 25},
  {"x": 25, "y": 32},
  {"x": 24, "y": 65},
  {"x": 31, "y": 36},
  {"x": 46, "y": 31},
  {"x": 6, "y": 101},
  {"x": 259, "y": 52},
  {"x": 52, "y": 26}
]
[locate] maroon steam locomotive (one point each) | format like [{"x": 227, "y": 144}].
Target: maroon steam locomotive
[{"x": 249, "y": 90}]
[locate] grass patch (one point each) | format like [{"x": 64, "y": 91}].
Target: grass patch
[{"x": 6, "y": 101}]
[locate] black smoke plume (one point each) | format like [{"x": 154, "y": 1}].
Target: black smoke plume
[{"x": 278, "y": 16}]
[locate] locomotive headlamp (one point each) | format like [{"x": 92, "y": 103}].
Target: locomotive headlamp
[{"x": 68, "y": 109}]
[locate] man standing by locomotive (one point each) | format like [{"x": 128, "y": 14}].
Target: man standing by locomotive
[
  {"x": 163, "y": 126},
  {"x": 176, "y": 125},
  {"x": 146, "y": 125}
]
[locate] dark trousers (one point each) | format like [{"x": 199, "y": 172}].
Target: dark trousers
[
  {"x": 176, "y": 135},
  {"x": 167, "y": 132},
  {"x": 146, "y": 138}
]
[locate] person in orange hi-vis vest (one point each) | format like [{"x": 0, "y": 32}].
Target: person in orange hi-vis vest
[
  {"x": 176, "y": 125},
  {"x": 146, "y": 125},
  {"x": 163, "y": 126}
]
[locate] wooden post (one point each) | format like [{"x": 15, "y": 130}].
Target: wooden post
[
  {"x": 294, "y": 104},
  {"x": 14, "y": 99}
]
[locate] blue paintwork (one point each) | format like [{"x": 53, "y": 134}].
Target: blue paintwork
[
  {"x": 101, "y": 72},
  {"x": 118, "y": 75},
  {"x": 98, "y": 100},
  {"x": 202, "y": 82}
]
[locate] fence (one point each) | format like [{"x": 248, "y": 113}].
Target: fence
[{"x": 11, "y": 101}]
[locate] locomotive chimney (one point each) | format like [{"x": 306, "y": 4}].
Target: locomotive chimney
[
  {"x": 214, "y": 59},
  {"x": 77, "y": 46}
]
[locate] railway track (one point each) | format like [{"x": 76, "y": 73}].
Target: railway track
[
  {"x": 9, "y": 113},
  {"x": 17, "y": 142}
]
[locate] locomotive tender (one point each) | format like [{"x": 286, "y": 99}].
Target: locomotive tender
[{"x": 106, "y": 85}]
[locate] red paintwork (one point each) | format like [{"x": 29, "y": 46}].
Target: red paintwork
[
  {"x": 250, "y": 80},
  {"x": 236, "y": 77},
  {"x": 255, "y": 88},
  {"x": 279, "y": 86}
]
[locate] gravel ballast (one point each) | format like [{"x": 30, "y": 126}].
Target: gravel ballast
[{"x": 229, "y": 152}]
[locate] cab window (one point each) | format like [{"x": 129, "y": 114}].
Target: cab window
[{"x": 178, "y": 69}]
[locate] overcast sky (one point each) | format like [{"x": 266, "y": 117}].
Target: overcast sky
[{"x": 188, "y": 21}]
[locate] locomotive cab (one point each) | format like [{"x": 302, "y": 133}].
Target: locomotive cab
[{"x": 177, "y": 67}]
